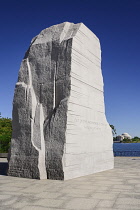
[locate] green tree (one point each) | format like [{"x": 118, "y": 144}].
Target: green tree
[
  {"x": 136, "y": 137},
  {"x": 113, "y": 130},
  {"x": 5, "y": 133}
]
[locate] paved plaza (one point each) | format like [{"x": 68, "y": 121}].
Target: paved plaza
[{"x": 114, "y": 189}]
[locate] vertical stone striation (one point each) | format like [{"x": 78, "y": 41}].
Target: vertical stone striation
[{"x": 59, "y": 125}]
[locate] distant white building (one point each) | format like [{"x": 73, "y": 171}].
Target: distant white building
[
  {"x": 126, "y": 136},
  {"x": 119, "y": 138},
  {"x": 123, "y": 136}
]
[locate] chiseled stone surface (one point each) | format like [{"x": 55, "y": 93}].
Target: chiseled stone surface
[
  {"x": 59, "y": 126},
  {"x": 99, "y": 191}
]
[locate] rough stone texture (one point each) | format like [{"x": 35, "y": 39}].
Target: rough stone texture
[{"x": 59, "y": 125}]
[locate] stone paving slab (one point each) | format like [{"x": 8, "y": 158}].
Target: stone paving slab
[{"x": 115, "y": 189}]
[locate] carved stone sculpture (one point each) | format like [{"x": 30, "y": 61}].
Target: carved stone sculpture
[{"x": 59, "y": 126}]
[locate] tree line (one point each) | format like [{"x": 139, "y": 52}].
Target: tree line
[{"x": 5, "y": 133}]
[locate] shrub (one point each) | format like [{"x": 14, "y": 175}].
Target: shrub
[{"x": 5, "y": 134}]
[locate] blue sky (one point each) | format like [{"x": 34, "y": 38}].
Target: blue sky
[{"x": 117, "y": 25}]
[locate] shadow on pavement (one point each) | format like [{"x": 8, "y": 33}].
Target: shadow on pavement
[{"x": 3, "y": 168}]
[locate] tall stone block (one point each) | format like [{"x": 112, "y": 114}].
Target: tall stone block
[{"x": 59, "y": 126}]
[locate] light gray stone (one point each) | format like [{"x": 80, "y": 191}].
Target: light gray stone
[
  {"x": 82, "y": 203},
  {"x": 59, "y": 126},
  {"x": 39, "y": 197},
  {"x": 106, "y": 203}
]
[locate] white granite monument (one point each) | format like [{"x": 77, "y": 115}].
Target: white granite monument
[{"x": 60, "y": 129}]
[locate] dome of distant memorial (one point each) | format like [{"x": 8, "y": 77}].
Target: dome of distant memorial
[{"x": 126, "y": 136}]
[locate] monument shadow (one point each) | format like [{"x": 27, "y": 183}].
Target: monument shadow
[{"x": 3, "y": 168}]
